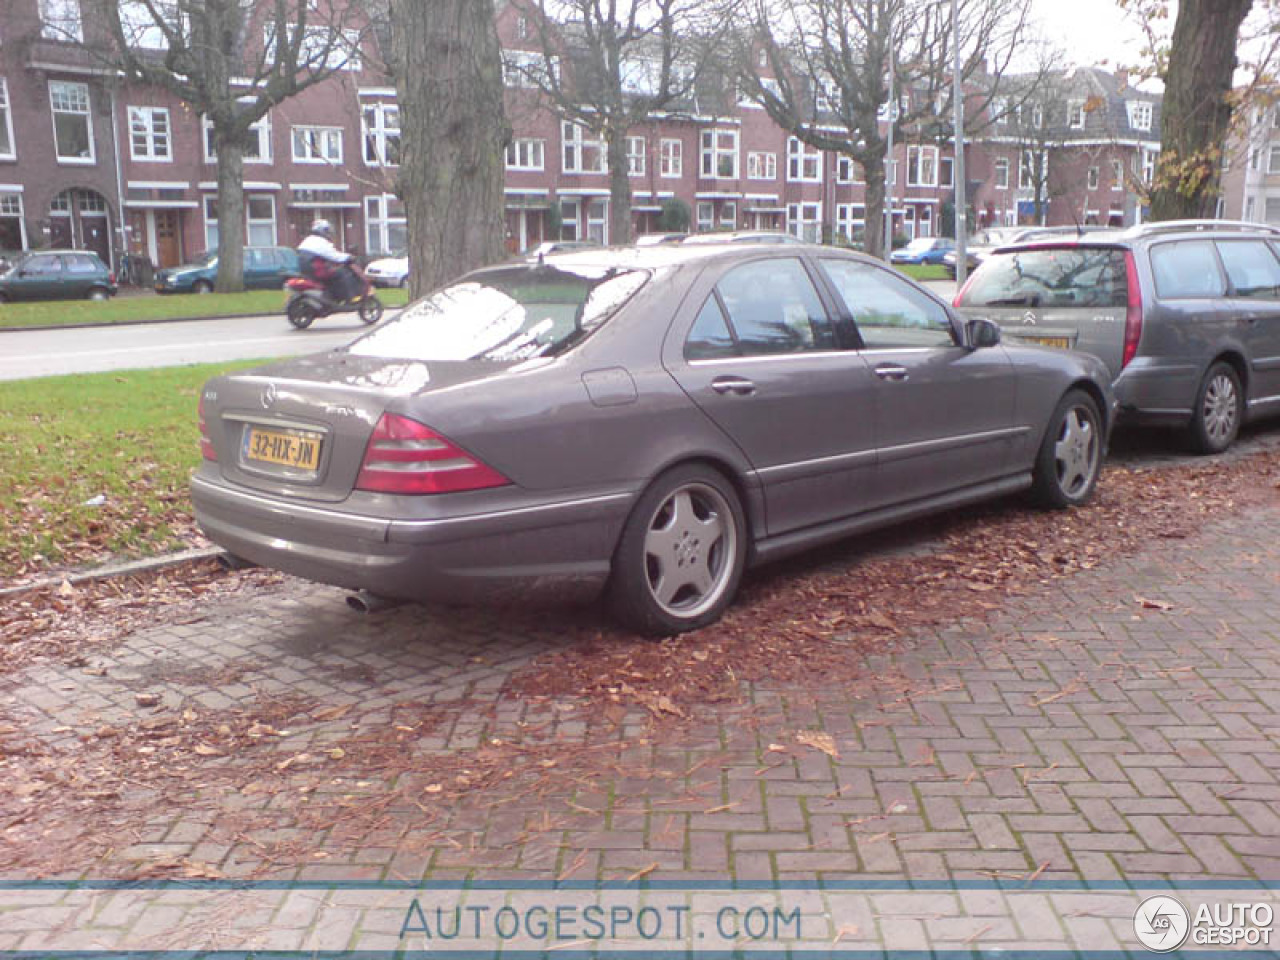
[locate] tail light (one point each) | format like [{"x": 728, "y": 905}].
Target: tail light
[
  {"x": 1133, "y": 310},
  {"x": 206, "y": 445},
  {"x": 404, "y": 456},
  {"x": 111, "y": 278},
  {"x": 965, "y": 289}
]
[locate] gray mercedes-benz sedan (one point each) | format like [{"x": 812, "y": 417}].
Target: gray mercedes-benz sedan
[{"x": 645, "y": 420}]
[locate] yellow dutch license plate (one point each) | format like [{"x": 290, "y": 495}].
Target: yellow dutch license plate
[
  {"x": 287, "y": 448},
  {"x": 1061, "y": 343}
]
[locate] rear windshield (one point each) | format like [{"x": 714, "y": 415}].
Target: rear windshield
[
  {"x": 514, "y": 313},
  {"x": 1050, "y": 277}
]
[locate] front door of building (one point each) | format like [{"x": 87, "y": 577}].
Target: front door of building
[{"x": 168, "y": 239}]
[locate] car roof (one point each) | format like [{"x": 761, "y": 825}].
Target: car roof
[
  {"x": 660, "y": 255},
  {"x": 740, "y": 236}
]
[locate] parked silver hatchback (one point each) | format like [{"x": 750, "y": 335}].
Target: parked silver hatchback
[{"x": 1185, "y": 314}]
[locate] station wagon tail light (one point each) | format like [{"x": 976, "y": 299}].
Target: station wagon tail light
[
  {"x": 405, "y": 456},
  {"x": 206, "y": 445},
  {"x": 959, "y": 298},
  {"x": 1133, "y": 311}
]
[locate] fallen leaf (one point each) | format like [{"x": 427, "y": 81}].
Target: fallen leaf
[
  {"x": 205, "y": 750},
  {"x": 1151, "y": 604},
  {"x": 147, "y": 699},
  {"x": 819, "y": 741}
]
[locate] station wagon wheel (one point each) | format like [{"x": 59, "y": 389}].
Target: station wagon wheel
[
  {"x": 681, "y": 555},
  {"x": 1215, "y": 421},
  {"x": 202, "y": 286},
  {"x": 1070, "y": 457},
  {"x": 97, "y": 293}
]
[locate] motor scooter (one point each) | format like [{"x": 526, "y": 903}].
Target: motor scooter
[{"x": 308, "y": 300}]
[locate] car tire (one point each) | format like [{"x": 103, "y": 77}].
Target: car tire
[
  {"x": 4, "y": 298},
  {"x": 202, "y": 287},
  {"x": 1070, "y": 457},
  {"x": 301, "y": 314},
  {"x": 99, "y": 293},
  {"x": 680, "y": 559},
  {"x": 1219, "y": 410},
  {"x": 404, "y": 282}
]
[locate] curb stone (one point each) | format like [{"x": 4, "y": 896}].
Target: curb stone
[{"x": 119, "y": 570}]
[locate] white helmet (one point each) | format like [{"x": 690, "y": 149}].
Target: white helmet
[{"x": 323, "y": 228}]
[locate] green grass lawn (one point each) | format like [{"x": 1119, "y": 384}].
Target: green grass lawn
[
  {"x": 129, "y": 436},
  {"x": 173, "y": 306},
  {"x": 923, "y": 271}
]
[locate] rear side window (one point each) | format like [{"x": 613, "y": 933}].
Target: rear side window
[
  {"x": 1051, "y": 277},
  {"x": 78, "y": 263},
  {"x": 774, "y": 308},
  {"x": 1186, "y": 270},
  {"x": 710, "y": 337},
  {"x": 1252, "y": 268}
]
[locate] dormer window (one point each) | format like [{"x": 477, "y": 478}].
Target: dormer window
[
  {"x": 1139, "y": 114},
  {"x": 1075, "y": 114}
]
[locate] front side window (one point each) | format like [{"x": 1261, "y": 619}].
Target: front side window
[
  {"x": 42, "y": 266},
  {"x": 380, "y": 129},
  {"x": 773, "y": 308},
  {"x": 1252, "y": 269},
  {"x": 72, "y": 133},
  {"x": 1186, "y": 270},
  {"x": 1051, "y": 277},
  {"x": 505, "y": 315},
  {"x": 888, "y": 312},
  {"x": 149, "y": 137}
]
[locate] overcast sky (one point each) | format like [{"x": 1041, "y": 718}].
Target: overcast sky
[{"x": 1090, "y": 31}]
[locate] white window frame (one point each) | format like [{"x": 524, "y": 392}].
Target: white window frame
[
  {"x": 1117, "y": 174},
  {"x": 804, "y": 220},
  {"x": 62, "y": 20},
  {"x": 706, "y": 216},
  {"x": 1273, "y": 158},
  {"x": 317, "y": 143},
  {"x": 529, "y": 69},
  {"x": 637, "y": 151},
  {"x": 577, "y": 146},
  {"x": 1075, "y": 114},
  {"x": 847, "y": 222},
  {"x": 762, "y": 165},
  {"x": 804, "y": 163},
  {"x": 261, "y": 127},
  {"x": 716, "y": 147},
  {"x": 597, "y": 210},
  {"x": 87, "y": 113},
  {"x": 1092, "y": 179},
  {"x": 849, "y": 170},
  {"x": 946, "y": 165},
  {"x": 671, "y": 158},
  {"x": 378, "y": 218},
  {"x": 527, "y": 153},
  {"x": 7, "y": 110},
  {"x": 570, "y": 218},
  {"x": 1037, "y": 116},
  {"x": 1000, "y": 173},
  {"x": 250, "y": 222},
  {"x": 142, "y": 123},
  {"x": 728, "y": 219},
  {"x": 1141, "y": 114},
  {"x": 1149, "y": 165},
  {"x": 374, "y": 138},
  {"x": 916, "y": 156},
  {"x": 1027, "y": 174},
  {"x": 210, "y": 208}
]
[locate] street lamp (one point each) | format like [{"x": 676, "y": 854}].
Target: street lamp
[{"x": 957, "y": 166}]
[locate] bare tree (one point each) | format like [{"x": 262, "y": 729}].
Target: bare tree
[
  {"x": 231, "y": 61},
  {"x": 611, "y": 65},
  {"x": 445, "y": 58},
  {"x": 832, "y": 62}
]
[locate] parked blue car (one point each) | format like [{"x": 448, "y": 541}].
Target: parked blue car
[
  {"x": 265, "y": 268},
  {"x": 923, "y": 250}
]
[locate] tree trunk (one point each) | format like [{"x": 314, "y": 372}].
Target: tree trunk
[
  {"x": 230, "y": 214},
  {"x": 873, "y": 169},
  {"x": 619, "y": 186},
  {"x": 1197, "y": 109},
  {"x": 454, "y": 133}
]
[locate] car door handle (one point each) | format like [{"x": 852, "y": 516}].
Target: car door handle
[
  {"x": 891, "y": 371},
  {"x": 735, "y": 385}
]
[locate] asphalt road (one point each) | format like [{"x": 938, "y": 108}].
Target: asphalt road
[{"x": 43, "y": 353}]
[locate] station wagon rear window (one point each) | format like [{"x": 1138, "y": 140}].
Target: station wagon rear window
[
  {"x": 1048, "y": 277},
  {"x": 510, "y": 314}
]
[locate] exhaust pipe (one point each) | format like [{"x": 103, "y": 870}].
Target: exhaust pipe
[
  {"x": 230, "y": 561},
  {"x": 365, "y": 602}
]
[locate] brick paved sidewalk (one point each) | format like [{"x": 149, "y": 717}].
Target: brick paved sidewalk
[{"x": 1119, "y": 723}]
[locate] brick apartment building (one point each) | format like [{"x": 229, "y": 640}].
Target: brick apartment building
[{"x": 87, "y": 160}]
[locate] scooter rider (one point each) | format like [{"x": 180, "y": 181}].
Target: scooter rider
[{"x": 322, "y": 261}]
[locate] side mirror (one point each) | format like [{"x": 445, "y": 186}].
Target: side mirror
[{"x": 981, "y": 332}]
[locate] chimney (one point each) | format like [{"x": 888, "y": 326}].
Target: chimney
[{"x": 1122, "y": 79}]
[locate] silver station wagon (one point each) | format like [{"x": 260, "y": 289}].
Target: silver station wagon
[
  {"x": 1185, "y": 314},
  {"x": 649, "y": 421}
]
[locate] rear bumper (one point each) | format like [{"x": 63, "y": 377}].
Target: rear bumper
[
  {"x": 1156, "y": 392},
  {"x": 551, "y": 551}
]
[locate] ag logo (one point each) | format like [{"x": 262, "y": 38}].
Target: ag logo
[{"x": 1161, "y": 924}]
